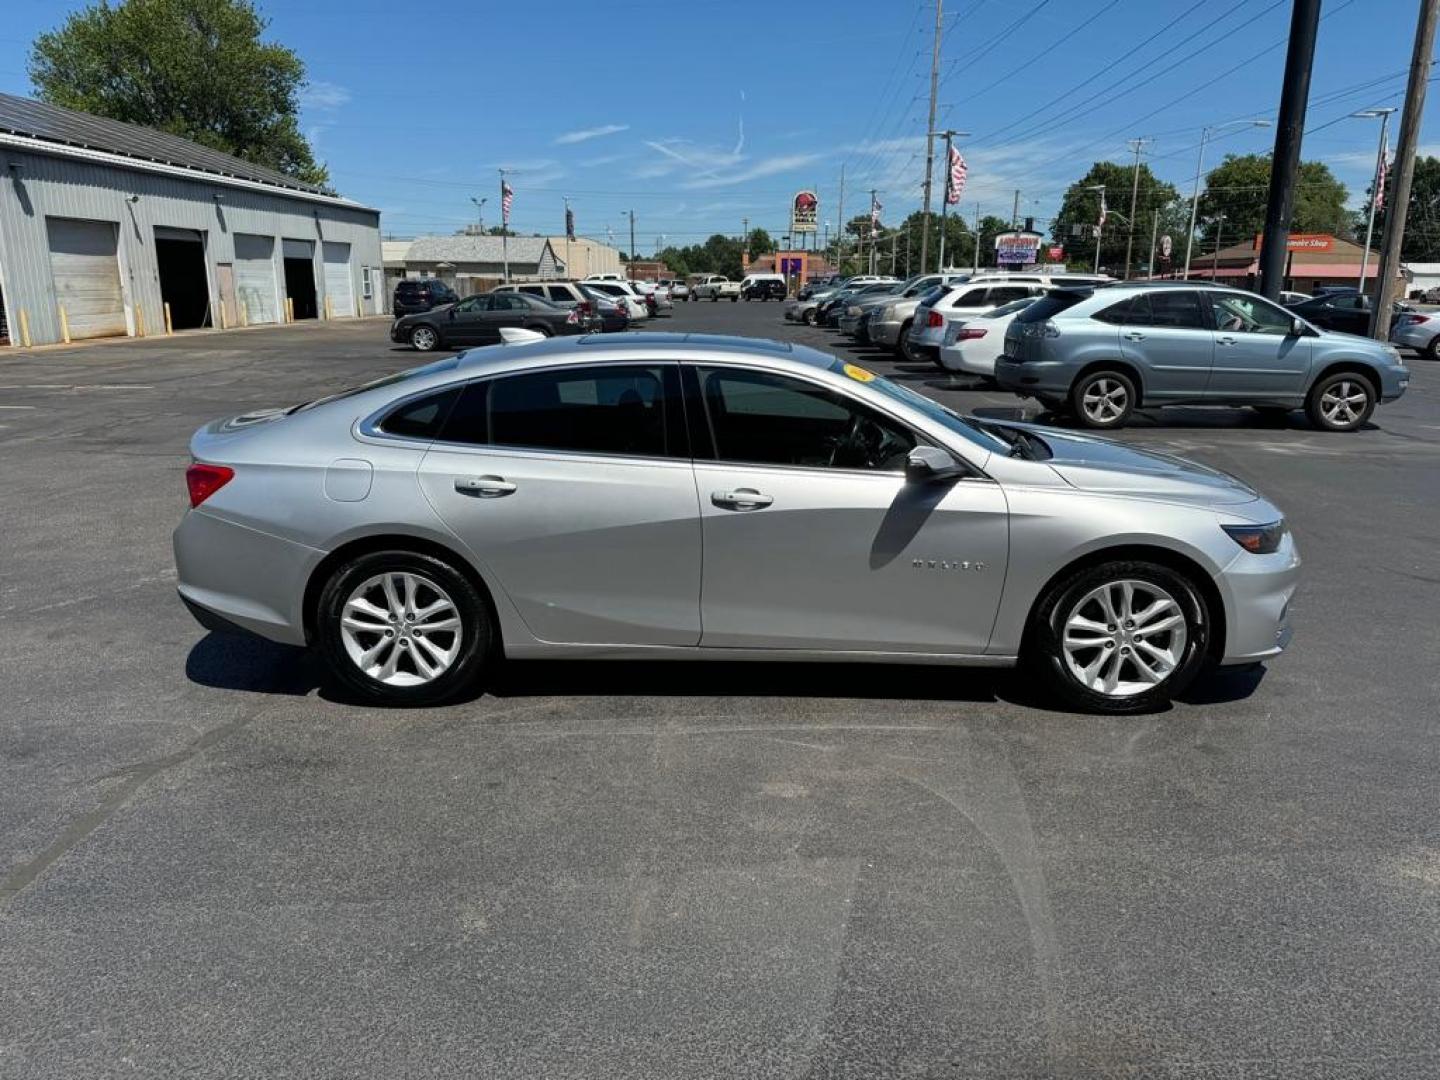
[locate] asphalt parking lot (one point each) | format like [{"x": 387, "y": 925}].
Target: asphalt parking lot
[{"x": 212, "y": 865}]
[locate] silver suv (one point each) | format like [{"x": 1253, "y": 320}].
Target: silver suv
[{"x": 1101, "y": 353}]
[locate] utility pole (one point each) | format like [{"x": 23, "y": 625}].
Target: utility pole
[
  {"x": 1099, "y": 223},
  {"x": 632, "y": 245},
  {"x": 977, "y": 241},
  {"x": 1154, "y": 230},
  {"x": 1404, "y": 170},
  {"x": 1375, "y": 193},
  {"x": 1015, "y": 212},
  {"x": 1289, "y": 130},
  {"x": 840, "y": 223},
  {"x": 568, "y": 271},
  {"x": 745, "y": 245},
  {"x": 873, "y": 193},
  {"x": 1136, "y": 145},
  {"x": 1215, "y": 258},
  {"x": 930, "y": 132}
]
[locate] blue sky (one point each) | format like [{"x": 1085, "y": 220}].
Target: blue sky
[{"x": 699, "y": 114}]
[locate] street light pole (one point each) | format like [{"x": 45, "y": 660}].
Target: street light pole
[
  {"x": 1199, "y": 168},
  {"x": 1099, "y": 224},
  {"x": 1375, "y": 193},
  {"x": 1138, "y": 144},
  {"x": 479, "y": 213},
  {"x": 930, "y": 131}
]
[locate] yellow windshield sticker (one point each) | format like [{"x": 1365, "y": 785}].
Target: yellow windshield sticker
[{"x": 859, "y": 374}]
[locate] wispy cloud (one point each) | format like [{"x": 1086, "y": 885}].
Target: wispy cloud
[
  {"x": 324, "y": 95},
  {"x": 603, "y": 159},
  {"x": 589, "y": 133},
  {"x": 768, "y": 167}
]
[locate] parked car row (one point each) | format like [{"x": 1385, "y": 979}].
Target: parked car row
[
  {"x": 1099, "y": 349},
  {"x": 429, "y": 314}
]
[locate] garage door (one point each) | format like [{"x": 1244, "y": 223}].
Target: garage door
[
  {"x": 338, "y": 288},
  {"x": 86, "y": 273},
  {"x": 255, "y": 277}
]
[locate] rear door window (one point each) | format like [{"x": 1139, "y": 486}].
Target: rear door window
[
  {"x": 533, "y": 290},
  {"x": 1177, "y": 309},
  {"x": 611, "y": 409},
  {"x": 1003, "y": 294}
]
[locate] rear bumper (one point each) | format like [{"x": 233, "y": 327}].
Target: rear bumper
[
  {"x": 885, "y": 332},
  {"x": 241, "y": 577},
  {"x": 1041, "y": 378}
]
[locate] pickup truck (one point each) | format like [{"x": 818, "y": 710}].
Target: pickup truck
[{"x": 715, "y": 287}]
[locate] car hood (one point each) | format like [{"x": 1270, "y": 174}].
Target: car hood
[
  {"x": 1090, "y": 463},
  {"x": 438, "y": 309}
]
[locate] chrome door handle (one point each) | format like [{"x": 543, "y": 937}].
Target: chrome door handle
[
  {"x": 1135, "y": 335},
  {"x": 487, "y": 487},
  {"x": 741, "y": 499},
  {"x": 1224, "y": 339}
]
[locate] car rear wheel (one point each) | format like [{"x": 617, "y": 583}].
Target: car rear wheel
[
  {"x": 541, "y": 328},
  {"x": 809, "y": 317},
  {"x": 402, "y": 628},
  {"x": 1432, "y": 351},
  {"x": 1103, "y": 399},
  {"x": 902, "y": 343},
  {"x": 424, "y": 338},
  {"x": 1121, "y": 637},
  {"x": 1341, "y": 402}
]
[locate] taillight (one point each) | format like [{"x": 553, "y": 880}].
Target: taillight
[
  {"x": 204, "y": 480},
  {"x": 935, "y": 319},
  {"x": 967, "y": 333},
  {"x": 1415, "y": 320}
]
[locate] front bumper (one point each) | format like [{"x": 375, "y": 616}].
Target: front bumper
[
  {"x": 1256, "y": 591},
  {"x": 885, "y": 331}
]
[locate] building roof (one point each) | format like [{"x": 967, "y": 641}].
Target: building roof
[
  {"x": 394, "y": 251},
  {"x": 66, "y": 127},
  {"x": 523, "y": 250},
  {"x": 1338, "y": 251}
]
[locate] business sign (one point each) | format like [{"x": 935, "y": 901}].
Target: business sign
[
  {"x": 1304, "y": 242},
  {"x": 1166, "y": 246},
  {"x": 1057, "y": 252},
  {"x": 791, "y": 265},
  {"x": 804, "y": 211},
  {"x": 1016, "y": 247}
]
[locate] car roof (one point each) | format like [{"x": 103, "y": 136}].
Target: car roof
[{"x": 654, "y": 345}]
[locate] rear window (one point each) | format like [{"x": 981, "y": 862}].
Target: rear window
[
  {"x": 1052, "y": 303},
  {"x": 423, "y": 417}
]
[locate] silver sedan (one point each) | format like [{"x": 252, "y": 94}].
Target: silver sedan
[{"x": 694, "y": 497}]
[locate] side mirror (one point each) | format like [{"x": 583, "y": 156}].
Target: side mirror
[
  {"x": 1297, "y": 326},
  {"x": 930, "y": 464}
]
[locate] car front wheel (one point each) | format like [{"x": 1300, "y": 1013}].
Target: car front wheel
[
  {"x": 1341, "y": 402},
  {"x": 1121, "y": 637},
  {"x": 402, "y": 628},
  {"x": 424, "y": 338},
  {"x": 1432, "y": 351},
  {"x": 1103, "y": 399}
]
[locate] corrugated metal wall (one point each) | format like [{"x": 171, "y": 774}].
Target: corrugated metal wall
[{"x": 45, "y": 186}]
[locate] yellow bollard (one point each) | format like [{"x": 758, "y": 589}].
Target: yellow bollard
[
  {"x": 244, "y": 313},
  {"x": 169, "y": 326},
  {"x": 289, "y": 309},
  {"x": 25, "y": 327},
  {"x": 64, "y": 326},
  {"x": 139, "y": 322},
  {"x": 224, "y": 322}
]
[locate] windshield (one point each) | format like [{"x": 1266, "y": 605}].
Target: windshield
[
  {"x": 946, "y": 417},
  {"x": 1012, "y": 307}
]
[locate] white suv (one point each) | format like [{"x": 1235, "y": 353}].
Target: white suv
[{"x": 975, "y": 297}]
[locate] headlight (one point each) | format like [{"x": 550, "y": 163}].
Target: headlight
[{"x": 1257, "y": 539}]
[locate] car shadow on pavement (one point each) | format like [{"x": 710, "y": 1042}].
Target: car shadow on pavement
[{"x": 235, "y": 661}]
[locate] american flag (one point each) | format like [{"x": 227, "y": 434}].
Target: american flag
[
  {"x": 875, "y": 209},
  {"x": 1382, "y": 174},
  {"x": 958, "y": 171},
  {"x": 507, "y": 199}
]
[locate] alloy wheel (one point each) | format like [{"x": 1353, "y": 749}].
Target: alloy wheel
[
  {"x": 423, "y": 338},
  {"x": 1105, "y": 401},
  {"x": 401, "y": 629},
  {"x": 1124, "y": 638},
  {"x": 1343, "y": 403}
]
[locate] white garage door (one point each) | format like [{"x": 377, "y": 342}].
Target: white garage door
[
  {"x": 338, "y": 288},
  {"x": 255, "y": 277},
  {"x": 86, "y": 273}
]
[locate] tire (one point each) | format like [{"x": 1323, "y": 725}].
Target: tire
[
  {"x": 470, "y": 645},
  {"x": 541, "y": 328},
  {"x": 424, "y": 338},
  {"x": 1432, "y": 351},
  {"x": 1340, "y": 402},
  {"x": 1103, "y": 399},
  {"x": 808, "y": 318},
  {"x": 1109, "y": 677},
  {"x": 733, "y": 299},
  {"x": 902, "y": 343}
]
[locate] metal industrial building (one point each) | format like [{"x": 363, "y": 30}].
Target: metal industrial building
[{"x": 106, "y": 227}]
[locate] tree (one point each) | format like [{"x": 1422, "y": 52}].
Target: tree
[
  {"x": 1421, "y": 242},
  {"x": 1080, "y": 211},
  {"x": 1238, "y": 187},
  {"x": 760, "y": 243},
  {"x": 194, "y": 68}
]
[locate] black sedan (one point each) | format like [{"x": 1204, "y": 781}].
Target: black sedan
[
  {"x": 477, "y": 320},
  {"x": 1345, "y": 310}
]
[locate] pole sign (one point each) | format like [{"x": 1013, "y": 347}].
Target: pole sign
[
  {"x": 804, "y": 212},
  {"x": 1057, "y": 253},
  {"x": 1166, "y": 246},
  {"x": 1016, "y": 247}
]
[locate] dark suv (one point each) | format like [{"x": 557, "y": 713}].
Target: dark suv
[{"x": 413, "y": 295}]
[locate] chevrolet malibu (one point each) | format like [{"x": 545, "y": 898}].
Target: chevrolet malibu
[{"x": 692, "y": 497}]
